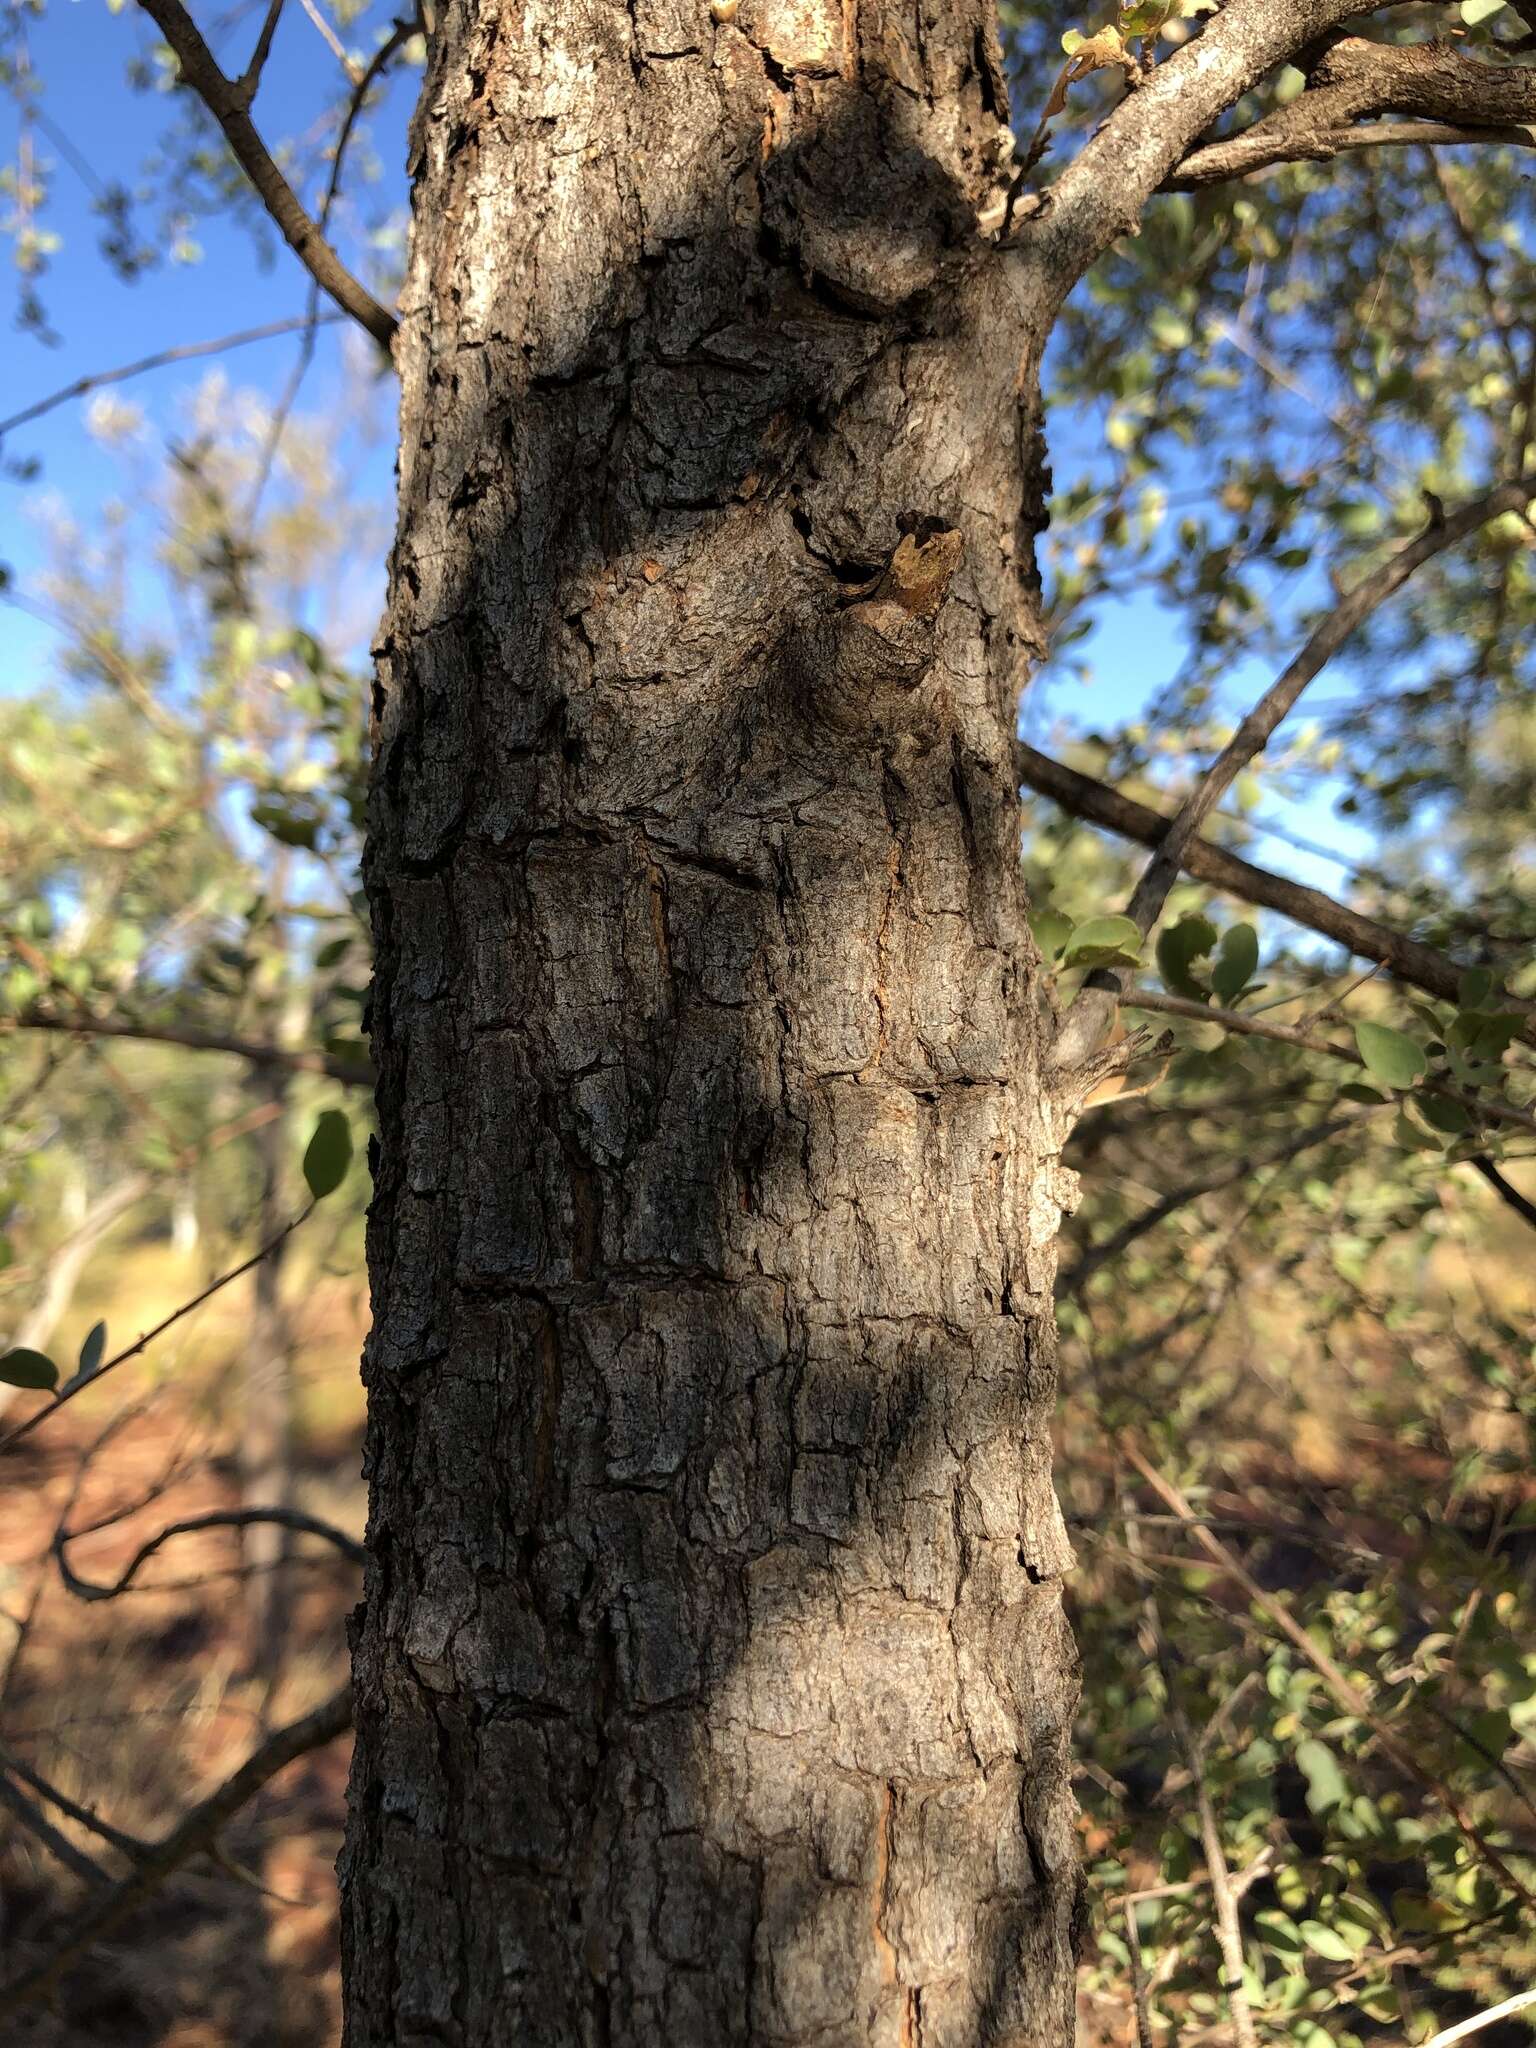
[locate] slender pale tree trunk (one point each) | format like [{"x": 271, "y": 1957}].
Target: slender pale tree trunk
[
  {"x": 266, "y": 1391},
  {"x": 713, "y": 1685}
]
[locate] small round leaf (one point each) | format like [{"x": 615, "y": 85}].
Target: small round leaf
[
  {"x": 1102, "y": 939},
  {"x": 23, "y": 1368},
  {"x": 329, "y": 1154},
  {"x": 1395, "y": 1059}
]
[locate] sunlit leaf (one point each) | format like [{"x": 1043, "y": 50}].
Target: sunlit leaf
[{"x": 1391, "y": 1056}]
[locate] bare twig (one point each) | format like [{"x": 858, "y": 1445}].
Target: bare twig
[
  {"x": 223, "y": 1518},
  {"x": 1519, "y": 2003},
  {"x": 126, "y": 1845},
  {"x": 1506, "y": 1191},
  {"x": 1089, "y": 1016},
  {"x": 330, "y": 38},
  {"x": 251, "y": 78},
  {"x": 1322, "y": 146},
  {"x": 1229, "y": 1926},
  {"x": 198, "y": 1831},
  {"x": 186, "y": 352},
  {"x": 224, "y": 102},
  {"x": 354, "y": 1073},
  {"x": 1229, "y": 1932},
  {"x": 1225, "y": 1176},
  {"x": 1138, "y": 1978},
  {"x": 381, "y": 57},
  {"x": 38, "y": 1825}
]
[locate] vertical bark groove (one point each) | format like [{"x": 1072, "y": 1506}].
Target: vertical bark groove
[{"x": 712, "y": 1682}]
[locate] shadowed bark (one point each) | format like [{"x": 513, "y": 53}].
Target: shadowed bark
[{"x": 712, "y": 1682}]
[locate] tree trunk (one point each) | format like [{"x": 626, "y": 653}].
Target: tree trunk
[{"x": 712, "y": 1682}]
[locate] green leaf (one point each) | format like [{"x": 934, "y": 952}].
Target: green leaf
[
  {"x": 1051, "y": 929},
  {"x": 1474, "y": 11},
  {"x": 1102, "y": 940},
  {"x": 1356, "y": 1091},
  {"x": 1444, "y": 1115},
  {"x": 1279, "y": 1931},
  {"x": 1323, "y": 1941},
  {"x": 1395, "y": 1059},
  {"x": 91, "y": 1350},
  {"x": 1235, "y": 963},
  {"x": 1326, "y": 1787},
  {"x": 23, "y": 1368},
  {"x": 1407, "y": 1134},
  {"x": 1474, "y": 988},
  {"x": 1178, "y": 948},
  {"x": 1491, "y": 1732},
  {"x": 329, "y": 1154},
  {"x": 1484, "y": 1034}
]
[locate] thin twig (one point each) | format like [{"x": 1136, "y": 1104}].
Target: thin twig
[
  {"x": 1506, "y": 1191},
  {"x": 222, "y": 98},
  {"x": 330, "y": 38},
  {"x": 1519, "y": 2003},
  {"x": 186, "y": 352},
  {"x": 251, "y": 77},
  {"x": 127, "y": 1845},
  {"x": 1244, "y": 1025},
  {"x": 222, "y": 1518},
  {"x": 132, "y": 1351},
  {"x": 354, "y": 1073},
  {"x": 1138, "y": 1978},
  {"x": 1229, "y": 1930},
  {"x": 363, "y": 85},
  {"x": 1225, "y": 1176},
  {"x": 38, "y": 1825},
  {"x": 198, "y": 1831},
  {"x": 1200, "y": 170}
]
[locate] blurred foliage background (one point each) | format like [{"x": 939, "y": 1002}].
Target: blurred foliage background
[{"x": 1297, "y": 1297}]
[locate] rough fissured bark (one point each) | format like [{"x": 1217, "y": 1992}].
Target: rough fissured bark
[{"x": 712, "y": 1684}]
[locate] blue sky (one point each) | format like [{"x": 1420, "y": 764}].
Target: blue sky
[{"x": 80, "y": 50}]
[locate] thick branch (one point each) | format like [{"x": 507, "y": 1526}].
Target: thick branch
[
  {"x": 226, "y": 101},
  {"x": 1357, "y": 79},
  {"x": 354, "y": 1073},
  {"x": 198, "y": 1831},
  {"x": 1100, "y": 195},
  {"x": 1407, "y": 960},
  {"x": 1091, "y": 1013}
]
